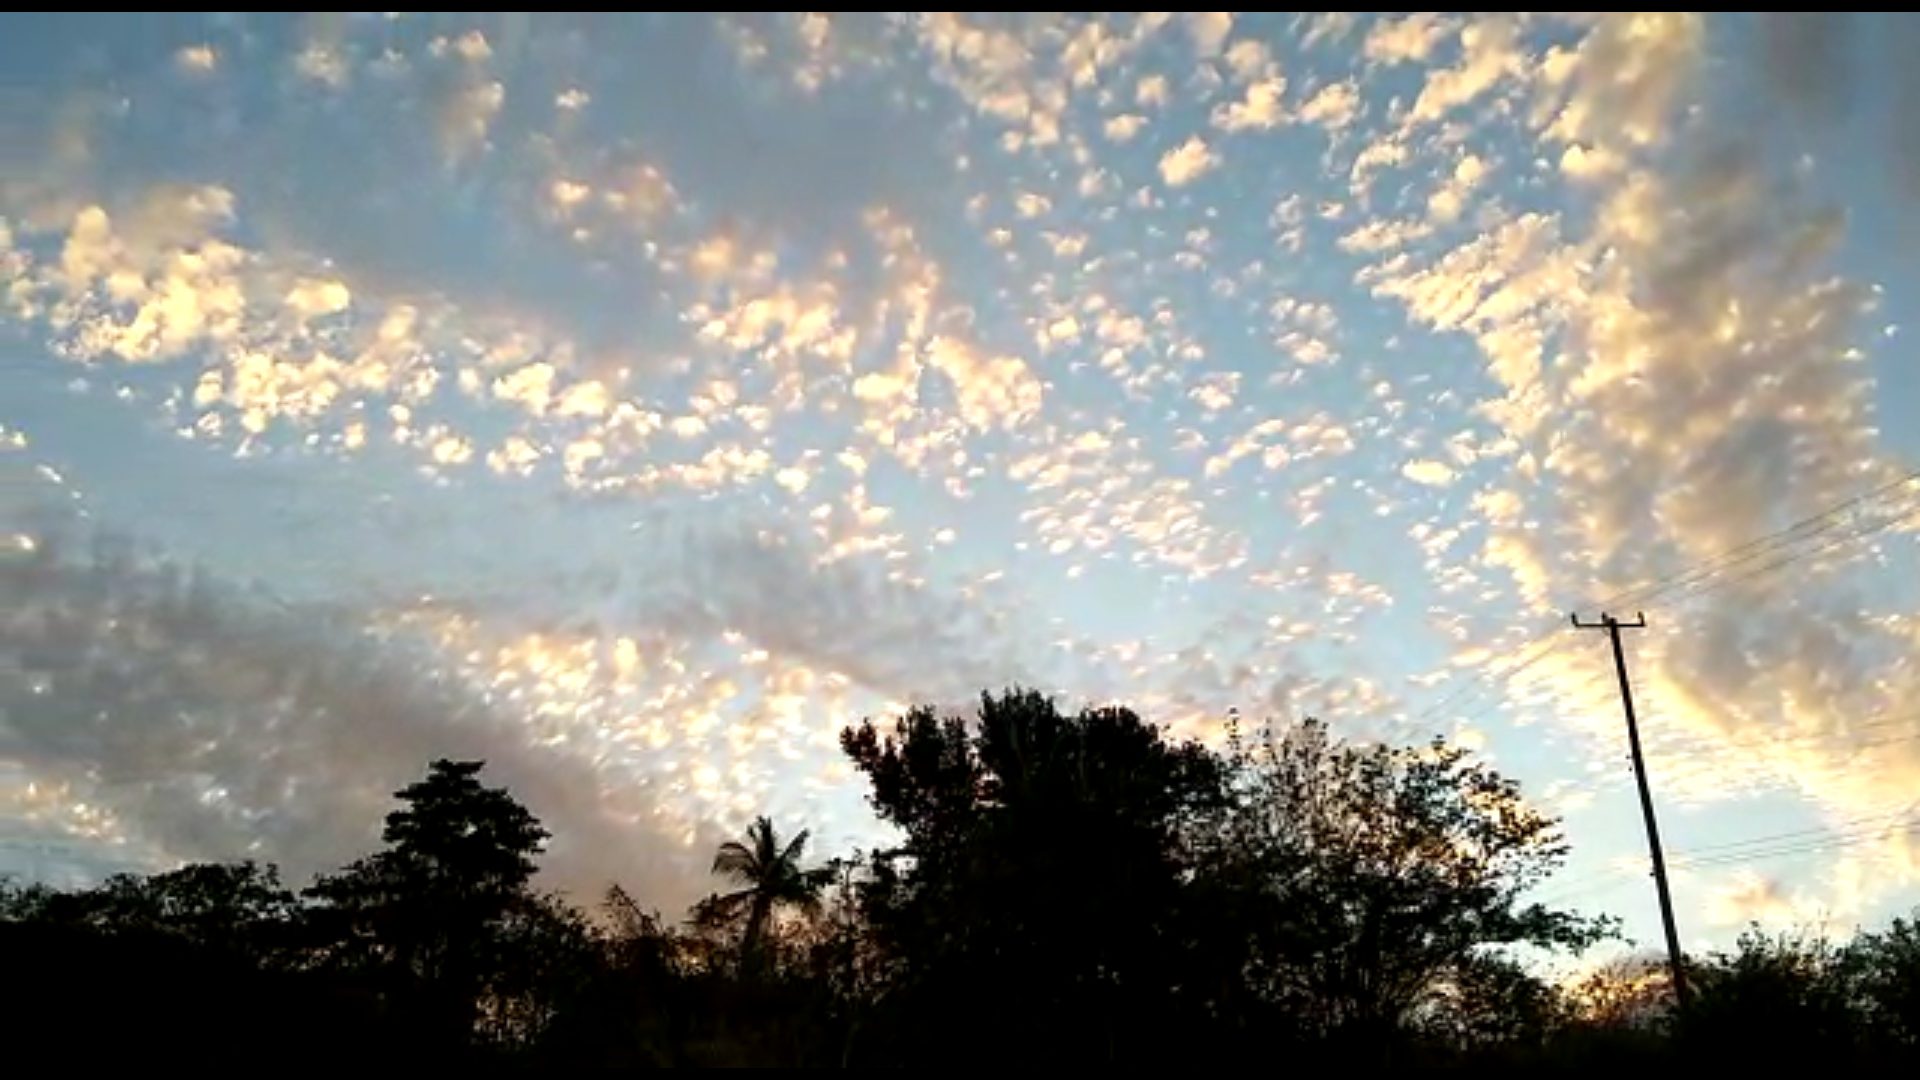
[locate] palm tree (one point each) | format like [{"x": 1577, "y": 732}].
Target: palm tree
[{"x": 769, "y": 876}]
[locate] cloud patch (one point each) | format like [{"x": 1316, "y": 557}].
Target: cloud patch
[{"x": 1187, "y": 162}]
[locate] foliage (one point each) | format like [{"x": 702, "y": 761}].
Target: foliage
[
  {"x": 1067, "y": 888},
  {"x": 1384, "y": 875},
  {"x": 1882, "y": 972},
  {"x": 770, "y": 878},
  {"x": 446, "y": 905},
  {"x": 237, "y": 908},
  {"x": 1771, "y": 996},
  {"x": 1039, "y": 885}
]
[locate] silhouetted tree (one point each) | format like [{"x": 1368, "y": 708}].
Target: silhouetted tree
[
  {"x": 1037, "y": 887},
  {"x": 1385, "y": 875},
  {"x": 237, "y": 908},
  {"x": 1882, "y": 972},
  {"x": 1067, "y": 889},
  {"x": 770, "y": 877},
  {"x": 195, "y": 960},
  {"x": 1773, "y": 998},
  {"x": 1489, "y": 1004},
  {"x": 426, "y": 920}
]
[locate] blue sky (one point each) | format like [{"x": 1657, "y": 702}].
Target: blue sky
[{"x": 635, "y": 401}]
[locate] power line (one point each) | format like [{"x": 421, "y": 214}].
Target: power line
[
  {"x": 1844, "y": 833},
  {"x": 1833, "y": 829},
  {"x": 1595, "y": 884},
  {"x": 1839, "y": 738},
  {"x": 1542, "y": 646},
  {"x": 1792, "y": 844},
  {"x": 1708, "y": 584},
  {"x": 1786, "y": 534},
  {"x": 1695, "y": 577},
  {"x": 1810, "y": 847}
]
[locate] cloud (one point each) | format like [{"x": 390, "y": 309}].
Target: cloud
[
  {"x": 196, "y": 59},
  {"x": 992, "y": 391},
  {"x": 1209, "y": 30},
  {"x": 1676, "y": 378},
  {"x": 1446, "y": 204},
  {"x": 467, "y": 114},
  {"x": 1031, "y": 205},
  {"x": 322, "y": 63},
  {"x": 568, "y": 194},
  {"x": 991, "y": 69},
  {"x": 1383, "y": 235},
  {"x": 1215, "y": 391},
  {"x": 1262, "y": 439},
  {"x": 1249, "y": 60},
  {"x": 1304, "y": 330},
  {"x": 1585, "y": 164},
  {"x": 1750, "y": 898},
  {"x": 151, "y": 302},
  {"x": 1187, "y": 162},
  {"x": 1619, "y": 88},
  {"x": 210, "y": 726},
  {"x": 1412, "y": 38},
  {"x": 1123, "y": 128},
  {"x": 1151, "y": 92},
  {"x": 314, "y": 297},
  {"x": 1489, "y": 52},
  {"x": 1334, "y": 106},
  {"x": 584, "y": 331},
  {"x": 471, "y": 46},
  {"x": 1428, "y": 471},
  {"x": 250, "y": 338},
  {"x": 1259, "y": 110}
]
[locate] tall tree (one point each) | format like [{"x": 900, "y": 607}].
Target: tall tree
[
  {"x": 1387, "y": 875},
  {"x": 770, "y": 877},
  {"x": 1038, "y": 887},
  {"x": 428, "y": 918}
]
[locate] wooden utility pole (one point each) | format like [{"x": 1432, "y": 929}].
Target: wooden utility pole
[{"x": 1613, "y": 627}]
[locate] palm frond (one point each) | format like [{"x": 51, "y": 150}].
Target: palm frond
[
  {"x": 795, "y": 847},
  {"x": 734, "y": 860},
  {"x": 765, "y": 844},
  {"x": 717, "y": 910}
]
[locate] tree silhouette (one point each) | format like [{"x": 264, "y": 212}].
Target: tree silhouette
[
  {"x": 1385, "y": 874},
  {"x": 770, "y": 877},
  {"x": 1067, "y": 888},
  {"x": 425, "y": 920},
  {"x": 1039, "y": 887},
  {"x": 1882, "y": 971},
  {"x": 237, "y": 908},
  {"x": 1772, "y": 998}
]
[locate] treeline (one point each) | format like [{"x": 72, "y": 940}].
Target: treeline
[{"x": 1065, "y": 889}]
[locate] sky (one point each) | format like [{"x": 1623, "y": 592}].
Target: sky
[{"x": 634, "y": 402}]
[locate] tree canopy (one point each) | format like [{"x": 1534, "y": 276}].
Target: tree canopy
[{"x": 1062, "y": 888}]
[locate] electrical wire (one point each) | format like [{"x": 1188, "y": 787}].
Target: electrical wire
[
  {"x": 1793, "y": 532},
  {"x": 1701, "y": 577},
  {"x": 1800, "y": 849},
  {"x": 1710, "y": 584}
]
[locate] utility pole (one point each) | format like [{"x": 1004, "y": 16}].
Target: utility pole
[{"x": 1613, "y": 627}]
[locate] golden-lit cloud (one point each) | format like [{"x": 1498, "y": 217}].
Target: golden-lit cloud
[
  {"x": 1187, "y": 162},
  {"x": 1411, "y": 38},
  {"x": 197, "y": 59},
  {"x": 1428, "y": 471}
]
